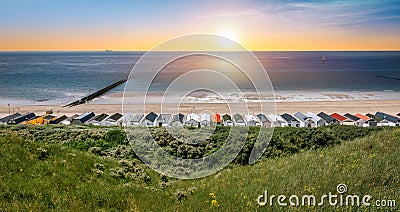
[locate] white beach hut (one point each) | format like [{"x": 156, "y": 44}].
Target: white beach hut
[
  {"x": 192, "y": 120},
  {"x": 292, "y": 121},
  {"x": 387, "y": 120},
  {"x": 264, "y": 121},
  {"x": 178, "y": 120},
  {"x": 163, "y": 120},
  {"x": 251, "y": 121},
  {"x": 69, "y": 120},
  {"x": 277, "y": 121},
  {"x": 136, "y": 120},
  {"x": 305, "y": 121},
  {"x": 83, "y": 118},
  {"x": 205, "y": 119},
  {"x": 319, "y": 122},
  {"x": 149, "y": 120},
  {"x": 112, "y": 120},
  {"x": 124, "y": 121},
  {"x": 238, "y": 120},
  {"x": 96, "y": 121}
]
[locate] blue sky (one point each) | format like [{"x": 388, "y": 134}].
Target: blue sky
[{"x": 26, "y": 22}]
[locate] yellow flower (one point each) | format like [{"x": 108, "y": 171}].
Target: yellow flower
[
  {"x": 215, "y": 203},
  {"x": 212, "y": 195}
]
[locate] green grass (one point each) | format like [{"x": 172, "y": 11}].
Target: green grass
[
  {"x": 36, "y": 176},
  {"x": 41, "y": 174}
]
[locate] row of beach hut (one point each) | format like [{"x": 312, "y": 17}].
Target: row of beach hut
[{"x": 205, "y": 119}]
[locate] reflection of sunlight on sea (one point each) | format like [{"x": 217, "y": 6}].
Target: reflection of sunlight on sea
[{"x": 63, "y": 77}]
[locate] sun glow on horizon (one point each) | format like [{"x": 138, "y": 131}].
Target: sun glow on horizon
[{"x": 229, "y": 34}]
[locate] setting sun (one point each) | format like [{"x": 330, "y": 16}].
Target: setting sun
[{"x": 229, "y": 34}]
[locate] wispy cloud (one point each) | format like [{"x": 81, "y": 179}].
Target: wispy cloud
[
  {"x": 339, "y": 15},
  {"x": 326, "y": 15},
  {"x": 248, "y": 12}
]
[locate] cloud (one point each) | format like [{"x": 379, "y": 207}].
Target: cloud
[
  {"x": 337, "y": 15},
  {"x": 248, "y": 12},
  {"x": 322, "y": 15}
]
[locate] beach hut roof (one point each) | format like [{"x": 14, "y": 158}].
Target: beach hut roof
[
  {"x": 387, "y": 117},
  {"x": 164, "y": 117},
  {"x": 178, "y": 117},
  {"x": 314, "y": 117},
  {"x": 84, "y": 115},
  {"x": 151, "y": 116},
  {"x": 137, "y": 117},
  {"x": 58, "y": 120},
  {"x": 289, "y": 117},
  {"x": 83, "y": 118},
  {"x": 22, "y": 118},
  {"x": 238, "y": 117},
  {"x": 100, "y": 117},
  {"x": 227, "y": 117},
  {"x": 338, "y": 117},
  {"x": 33, "y": 118},
  {"x": 276, "y": 118},
  {"x": 262, "y": 118},
  {"x": 249, "y": 118},
  {"x": 127, "y": 116},
  {"x": 192, "y": 116},
  {"x": 326, "y": 117},
  {"x": 72, "y": 117},
  {"x": 301, "y": 116},
  {"x": 115, "y": 117},
  {"x": 205, "y": 117},
  {"x": 351, "y": 117},
  {"x": 365, "y": 118},
  {"x": 7, "y": 118},
  {"x": 372, "y": 116},
  {"x": 217, "y": 117},
  {"x": 48, "y": 117}
]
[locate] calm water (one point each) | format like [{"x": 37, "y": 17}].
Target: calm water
[{"x": 59, "y": 77}]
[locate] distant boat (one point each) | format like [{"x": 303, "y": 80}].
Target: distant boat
[
  {"x": 107, "y": 50},
  {"x": 393, "y": 78},
  {"x": 323, "y": 59}
]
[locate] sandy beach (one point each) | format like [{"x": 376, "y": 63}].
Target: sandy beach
[{"x": 367, "y": 106}]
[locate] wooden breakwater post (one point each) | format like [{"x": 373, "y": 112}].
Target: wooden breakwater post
[{"x": 95, "y": 94}]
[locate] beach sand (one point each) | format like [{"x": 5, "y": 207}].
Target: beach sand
[{"x": 341, "y": 107}]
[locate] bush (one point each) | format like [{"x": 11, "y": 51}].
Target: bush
[
  {"x": 113, "y": 143},
  {"x": 115, "y": 137}
]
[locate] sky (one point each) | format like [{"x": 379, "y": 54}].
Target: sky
[{"x": 50, "y": 25}]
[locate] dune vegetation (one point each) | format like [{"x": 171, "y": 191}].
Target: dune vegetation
[{"x": 88, "y": 168}]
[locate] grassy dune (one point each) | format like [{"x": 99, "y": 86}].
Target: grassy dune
[{"x": 43, "y": 174}]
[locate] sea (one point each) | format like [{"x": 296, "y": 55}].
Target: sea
[{"x": 49, "y": 78}]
